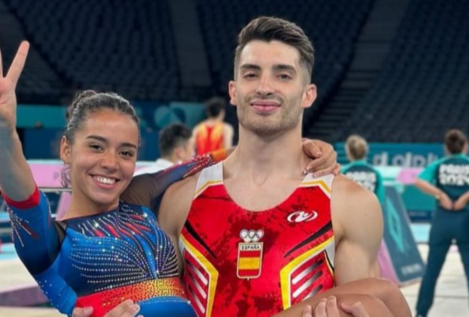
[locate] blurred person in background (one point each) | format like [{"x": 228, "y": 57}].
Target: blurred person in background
[
  {"x": 213, "y": 133},
  {"x": 447, "y": 180},
  {"x": 176, "y": 145},
  {"x": 356, "y": 148}
]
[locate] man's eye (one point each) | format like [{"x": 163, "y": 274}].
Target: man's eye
[
  {"x": 249, "y": 75},
  {"x": 96, "y": 147}
]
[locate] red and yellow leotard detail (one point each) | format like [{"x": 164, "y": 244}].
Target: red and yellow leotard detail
[
  {"x": 209, "y": 138},
  {"x": 243, "y": 263}
]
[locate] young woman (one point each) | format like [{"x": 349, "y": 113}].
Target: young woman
[
  {"x": 105, "y": 250},
  {"x": 359, "y": 170},
  {"x": 110, "y": 249}
]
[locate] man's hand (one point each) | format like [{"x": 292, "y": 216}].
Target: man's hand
[
  {"x": 82, "y": 312},
  {"x": 324, "y": 158},
  {"x": 446, "y": 202},
  {"x": 356, "y": 309},
  {"x": 124, "y": 309},
  {"x": 307, "y": 312},
  {"x": 327, "y": 307}
]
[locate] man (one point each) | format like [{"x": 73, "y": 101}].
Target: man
[
  {"x": 257, "y": 238},
  {"x": 213, "y": 134},
  {"x": 176, "y": 145}
]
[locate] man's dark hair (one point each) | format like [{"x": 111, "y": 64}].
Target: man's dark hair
[
  {"x": 275, "y": 29},
  {"x": 173, "y": 136},
  {"x": 455, "y": 141},
  {"x": 214, "y": 106}
]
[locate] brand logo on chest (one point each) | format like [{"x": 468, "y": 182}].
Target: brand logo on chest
[
  {"x": 250, "y": 254},
  {"x": 302, "y": 216}
]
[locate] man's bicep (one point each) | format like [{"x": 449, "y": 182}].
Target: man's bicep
[
  {"x": 357, "y": 250},
  {"x": 175, "y": 206},
  {"x": 353, "y": 262},
  {"x": 168, "y": 212}
]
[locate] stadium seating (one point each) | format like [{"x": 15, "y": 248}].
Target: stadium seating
[
  {"x": 422, "y": 89},
  {"x": 106, "y": 45}
]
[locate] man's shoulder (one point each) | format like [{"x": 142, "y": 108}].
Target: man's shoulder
[
  {"x": 185, "y": 186},
  {"x": 343, "y": 185},
  {"x": 353, "y": 207},
  {"x": 196, "y": 129},
  {"x": 228, "y": 126},
  {"x": 349, "y": 193}
]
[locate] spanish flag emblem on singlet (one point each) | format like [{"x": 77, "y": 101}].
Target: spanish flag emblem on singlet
[{"x": 250, "y": 254}]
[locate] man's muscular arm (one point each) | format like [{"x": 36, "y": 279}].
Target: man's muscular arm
[
  {"x": 174, "y": 209},
  {"x": 358, "y": 228}
]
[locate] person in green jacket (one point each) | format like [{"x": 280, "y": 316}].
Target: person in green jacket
[
  {"x": 446, "y": 179},
  {"x": 359, "y": 170}
]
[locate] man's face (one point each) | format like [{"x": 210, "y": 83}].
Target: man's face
[
  {"x": 189, "y": 149},
  {"x": 185, "y": 151},
  {"x": 271, "y": 88}
]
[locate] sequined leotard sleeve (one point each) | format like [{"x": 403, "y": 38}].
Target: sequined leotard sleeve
[{"x": 38, "y": 246}]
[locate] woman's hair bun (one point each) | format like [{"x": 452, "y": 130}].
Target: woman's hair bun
[{"x": 85, "y": 94}]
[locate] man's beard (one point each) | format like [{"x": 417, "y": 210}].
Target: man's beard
[{"x": 270, "y": 125}]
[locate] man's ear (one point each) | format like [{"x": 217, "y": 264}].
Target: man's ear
[
  {"x": 309, "y": 96},
  {"x": 232, "y": 92},
  {"x": 178, "y": 152},
  {"x": 65, "y": 150}
]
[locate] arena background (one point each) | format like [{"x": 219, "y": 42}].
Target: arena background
[{"x": 393, "y": 71}]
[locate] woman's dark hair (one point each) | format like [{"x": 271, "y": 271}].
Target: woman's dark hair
[
  {"x": 455, "y": 141},
  {"x": 214, "y": 106}
]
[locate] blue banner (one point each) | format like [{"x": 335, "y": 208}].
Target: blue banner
[{"x": 400, "y": 242}]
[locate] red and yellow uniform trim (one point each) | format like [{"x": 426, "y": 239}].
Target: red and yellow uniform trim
[
  {"x": 286, "y": 272},
  {"x": 209, "y": 268}
]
